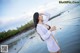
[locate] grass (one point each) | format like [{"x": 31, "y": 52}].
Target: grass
[{"x": 10, "y": 33}]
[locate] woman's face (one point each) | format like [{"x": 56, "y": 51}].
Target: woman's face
[{"x": 41, "y": 17}]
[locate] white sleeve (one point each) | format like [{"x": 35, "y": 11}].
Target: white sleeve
[
  {"x": 46, "y": 17},
  {"x": 46, "y": 35}
]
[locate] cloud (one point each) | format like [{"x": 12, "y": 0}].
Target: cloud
[
  {"x": 23, "y": 15},
  {"x": 15, "y": 21}
]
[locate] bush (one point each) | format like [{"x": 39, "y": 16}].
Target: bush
[{"x": 10, "y": 33}]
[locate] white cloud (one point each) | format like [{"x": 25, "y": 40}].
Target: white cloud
[{"x": 51, "y": 6}]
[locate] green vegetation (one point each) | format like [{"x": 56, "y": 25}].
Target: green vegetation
[{"x": 10, "y": 33}]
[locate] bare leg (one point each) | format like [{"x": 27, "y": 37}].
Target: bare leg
[
  {"x": 55, "y": 52},
  {"x": 59, "y": 51}
]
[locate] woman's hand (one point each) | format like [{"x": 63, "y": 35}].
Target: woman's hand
[{"x": 53, "y": 28}]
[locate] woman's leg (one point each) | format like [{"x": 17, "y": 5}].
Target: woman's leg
[
  {"x": 53, "y": 52},
  {"x": 56, "y": 52},
  {"x": 59, "y": 51}
]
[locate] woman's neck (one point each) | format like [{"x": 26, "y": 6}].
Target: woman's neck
[{"x": 40, "y": 22}]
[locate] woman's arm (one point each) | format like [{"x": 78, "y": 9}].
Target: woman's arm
[
  {"x": 46, "y": 17},
  {"x": 44, "y": 35},
  {"x": 46, "y": 14}
]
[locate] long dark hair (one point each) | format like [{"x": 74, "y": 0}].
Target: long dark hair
[{"x": 35, "y": 18}]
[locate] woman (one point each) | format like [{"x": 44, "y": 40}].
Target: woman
[{"x": 45, "y": 31}]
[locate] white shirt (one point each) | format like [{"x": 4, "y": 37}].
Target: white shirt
[{"x": 47, "y": 36}]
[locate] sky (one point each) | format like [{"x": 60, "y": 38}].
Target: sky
[
  {"x": 18, "y": 8},
  {"x": 14, "y": 13}
]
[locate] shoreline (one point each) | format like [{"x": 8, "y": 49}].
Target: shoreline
[
  {"x": 18, "y": 36},
  {"x": 12, "y": 33}
]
